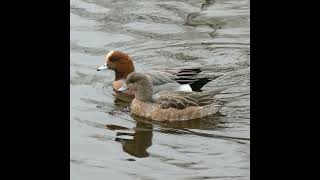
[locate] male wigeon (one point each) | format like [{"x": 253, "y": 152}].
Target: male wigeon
[
  {"x": 174, "y": 79},
  {"x": 169, "y": 105}
]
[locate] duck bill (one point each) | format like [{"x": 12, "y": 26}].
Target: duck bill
[
  {"x": 103, "y": 67},
  {"x": 123, "y": 88}
]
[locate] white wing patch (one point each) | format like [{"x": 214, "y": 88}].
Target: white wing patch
[{"x": 184, "y": 87}]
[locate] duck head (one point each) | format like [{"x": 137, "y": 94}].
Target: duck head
[
  {"x": 120, "y": 63},
  {"x": 140, "y": 84}
]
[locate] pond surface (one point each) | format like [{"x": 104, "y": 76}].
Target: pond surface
[{"x": 107, "y": 142}]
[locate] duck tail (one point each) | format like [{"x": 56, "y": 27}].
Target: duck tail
[
  {"x": 199, "y": 83},
  {"x": 210, "y": 109}
]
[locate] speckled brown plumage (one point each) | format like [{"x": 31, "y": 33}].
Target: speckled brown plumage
[{"x": 167, "y": 105}]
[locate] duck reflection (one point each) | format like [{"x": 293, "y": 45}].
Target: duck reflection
[{"x": 142, "y": 140}]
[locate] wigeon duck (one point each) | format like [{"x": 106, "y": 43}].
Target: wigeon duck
[
  {"x": 175, "y": 79},
  {"x": 169, "y": 105}
]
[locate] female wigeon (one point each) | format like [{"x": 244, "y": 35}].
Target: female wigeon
[
  {"x": 169, "y": 105},
  {"x": 174, "y": 79}
]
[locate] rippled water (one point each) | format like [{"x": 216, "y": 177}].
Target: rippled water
[{"x": 109, "y": 143}]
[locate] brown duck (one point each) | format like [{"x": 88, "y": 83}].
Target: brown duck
[{"x": 169, "y": 105}]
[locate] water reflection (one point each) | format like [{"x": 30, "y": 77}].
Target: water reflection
[{"x": 142, "y": 140}]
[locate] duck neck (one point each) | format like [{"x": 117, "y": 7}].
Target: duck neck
[
  {"x": 145, "y": 93},
  {"x": 144, "y": 96},
  {"x": 124, "y": 70},
  {"x": 121, "y": 75}
]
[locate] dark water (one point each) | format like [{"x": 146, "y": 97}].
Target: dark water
[{"x": 109, "y": 143}]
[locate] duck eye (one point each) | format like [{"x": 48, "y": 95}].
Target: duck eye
[
  {"x": 130, "y": 81},
  {"x": 113, "y": 58}
]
